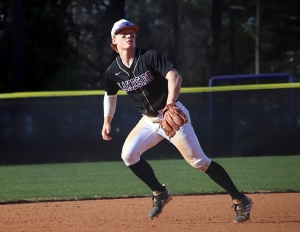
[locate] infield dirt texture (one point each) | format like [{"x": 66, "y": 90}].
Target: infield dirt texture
[{"x": 206, "y": 213}]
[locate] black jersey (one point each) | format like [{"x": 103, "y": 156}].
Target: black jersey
[{"x": 145, "y": 81}]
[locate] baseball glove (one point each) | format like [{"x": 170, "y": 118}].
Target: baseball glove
[{"x": 173, "y": 119}]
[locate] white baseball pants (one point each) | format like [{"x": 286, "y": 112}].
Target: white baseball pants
[{"x": 147, "y": 133}]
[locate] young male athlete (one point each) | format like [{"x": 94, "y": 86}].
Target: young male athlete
[{"x": 153, "y": 83}]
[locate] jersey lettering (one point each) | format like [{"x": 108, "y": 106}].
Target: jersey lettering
[{"x": 136, "y": 82}]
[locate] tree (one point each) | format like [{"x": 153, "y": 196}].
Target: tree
[
  {"x": 214, "y": 39},
  {"x": 65, "y": 44},
  {"x": 4, "y": 47},
  {"x": 90, "y": 39}
]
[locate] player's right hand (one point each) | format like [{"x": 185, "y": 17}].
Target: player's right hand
[{"x": 105, "y": 132}]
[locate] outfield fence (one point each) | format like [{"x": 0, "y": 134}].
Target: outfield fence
[{"x": 246, "y": 120}]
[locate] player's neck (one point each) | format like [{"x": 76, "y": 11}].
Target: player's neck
[{"x": 127, "y": 56}]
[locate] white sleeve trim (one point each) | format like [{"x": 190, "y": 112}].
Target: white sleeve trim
[{"x": 109, "y": 105}]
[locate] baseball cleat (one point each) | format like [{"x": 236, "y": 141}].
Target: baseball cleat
[
  {"x": 242, "y": 207},
  {"x": 160, "y": 199}
]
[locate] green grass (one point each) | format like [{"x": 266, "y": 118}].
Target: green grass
[{"x": 114, "y": 179}]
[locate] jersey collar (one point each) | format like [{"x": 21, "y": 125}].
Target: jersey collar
[{"x": 133, "y": 65}]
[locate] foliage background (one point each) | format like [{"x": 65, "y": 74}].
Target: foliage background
[{"x": 64, "y": 44}]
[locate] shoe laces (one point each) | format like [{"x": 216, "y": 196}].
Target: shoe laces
[
  {"x": 239, "y": 208},
  {"x": 155, "y": 200},
  {"x": 155, "y": 197}
]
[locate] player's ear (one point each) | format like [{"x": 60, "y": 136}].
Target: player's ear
[{"x": 113, "y": 41}]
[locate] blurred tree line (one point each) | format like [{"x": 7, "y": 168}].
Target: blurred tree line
[{"x": 64, "y": 44}]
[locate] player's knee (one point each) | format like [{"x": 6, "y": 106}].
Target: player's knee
[
  {"x": 130, "y": 158},
  {"x": 201, "y": 164}
]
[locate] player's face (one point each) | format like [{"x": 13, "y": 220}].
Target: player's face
[{"x": 125, "y": 39}]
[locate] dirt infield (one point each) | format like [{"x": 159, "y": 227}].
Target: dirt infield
[{"x": 270, "y": 212}]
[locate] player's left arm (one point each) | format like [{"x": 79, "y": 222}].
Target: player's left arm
[{"x": 174, "y": 85}]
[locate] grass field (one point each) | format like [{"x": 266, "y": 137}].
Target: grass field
[{"x": 114, "y": 179}]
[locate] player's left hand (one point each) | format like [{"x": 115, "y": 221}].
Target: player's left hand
[{"x": 173, "y": 119}]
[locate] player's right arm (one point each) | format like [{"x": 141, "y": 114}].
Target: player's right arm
[{"x": 109, "y": 109}]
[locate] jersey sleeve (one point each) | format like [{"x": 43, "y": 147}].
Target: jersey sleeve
[
  {"x": 158, "y": 62},
  {"x": 109, "y": 85}
]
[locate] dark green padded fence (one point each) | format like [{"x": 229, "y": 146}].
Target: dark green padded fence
[{"x": 249, "y": 120}]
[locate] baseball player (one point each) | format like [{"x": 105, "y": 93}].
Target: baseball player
[{"x": 153, "y": 84}]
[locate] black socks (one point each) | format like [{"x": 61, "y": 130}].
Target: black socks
[
  {"x": 215, "y": 171},
  {"x": 145, "y": 172},
  {"x": 218, "y": 174}
]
